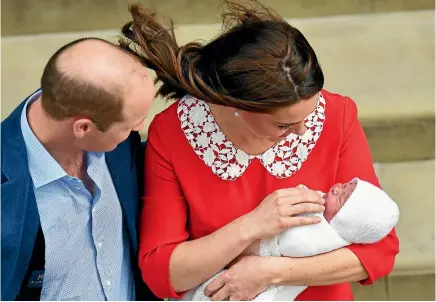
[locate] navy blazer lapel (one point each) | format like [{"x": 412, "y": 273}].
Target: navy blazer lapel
[
  {"x": 123, "y": 172},
  {"x": 20, "y": 218},
  {"x": 18, "y": 232}
]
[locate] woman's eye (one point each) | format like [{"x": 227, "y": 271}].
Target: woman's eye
[{"x": 283, "y": 127}]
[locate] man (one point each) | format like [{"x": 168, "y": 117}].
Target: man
[{"x": 71, "y": 166}]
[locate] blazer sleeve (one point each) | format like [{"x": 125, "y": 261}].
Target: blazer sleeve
[
  {"x": 164, "y": 214},
  {"x": 355, "y": 161}
]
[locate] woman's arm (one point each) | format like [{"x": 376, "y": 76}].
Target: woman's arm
[
  {"x": 335, "y": 267},
  {"x": 251, "y": 275},
  {"x": 193, "y": 262}
]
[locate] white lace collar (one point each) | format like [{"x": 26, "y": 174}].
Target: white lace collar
[{"x": 226, "y": 161}]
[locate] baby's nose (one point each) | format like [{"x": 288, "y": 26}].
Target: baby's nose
[{"x": 337, "y": 189}]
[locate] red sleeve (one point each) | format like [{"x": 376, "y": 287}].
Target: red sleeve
[
  {"x": 355, "y": 161},
  {"x": 163, "y": 217}
]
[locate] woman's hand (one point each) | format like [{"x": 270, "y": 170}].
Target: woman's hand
[
  {"x": 247, "y": 278},
  {"x": 278, "y": 211}
]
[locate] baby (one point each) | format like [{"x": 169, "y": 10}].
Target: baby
[{"x": 355, "y": 212}]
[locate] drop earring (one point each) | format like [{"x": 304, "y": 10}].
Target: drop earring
[{"x": 237, "y": 113}]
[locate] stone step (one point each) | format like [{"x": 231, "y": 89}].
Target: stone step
[
  {"x": 23, "y": 17},
  {"x": 383, "y": 61},
  {"x": 398, "y": 288},
  {"x": 412, "y": 186}
]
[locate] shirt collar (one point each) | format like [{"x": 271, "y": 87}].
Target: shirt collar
[
  {"x": 95, "y": 160},
  {"x": 42, "y": 166}
]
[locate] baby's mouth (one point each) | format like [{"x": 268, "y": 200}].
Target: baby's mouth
[{"x": 323, "y": 195}]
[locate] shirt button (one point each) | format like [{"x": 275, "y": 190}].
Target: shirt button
[
  {"x": 99, "y": 244},
  {"x": 108, "y": 282}
]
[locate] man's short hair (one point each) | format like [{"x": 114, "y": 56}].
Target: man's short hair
[{"x": 65, "y": 95}]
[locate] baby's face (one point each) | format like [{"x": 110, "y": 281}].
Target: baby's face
[{"x": 336, "y": 197}]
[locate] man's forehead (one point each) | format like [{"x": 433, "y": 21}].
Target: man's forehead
[{"x": 139, "y": 94}]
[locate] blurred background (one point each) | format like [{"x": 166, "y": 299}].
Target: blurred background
[{"x": 381, "y": 53}]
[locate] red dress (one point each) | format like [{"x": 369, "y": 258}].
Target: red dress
[{"x": 196, "y": 182}]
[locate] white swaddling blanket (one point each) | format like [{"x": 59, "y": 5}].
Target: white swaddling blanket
[{"x": 367, "y": 217}]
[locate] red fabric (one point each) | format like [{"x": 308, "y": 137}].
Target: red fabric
[{"x": 185, "y": 200}]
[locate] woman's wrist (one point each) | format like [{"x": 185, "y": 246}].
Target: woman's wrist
[
  {"x": 276, "y": 276},
  {"x": 273, "y": 270},
  {"x": 248, "y": 228}
]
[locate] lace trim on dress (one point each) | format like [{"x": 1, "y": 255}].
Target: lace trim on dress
[{"x": 228, "y": 162}]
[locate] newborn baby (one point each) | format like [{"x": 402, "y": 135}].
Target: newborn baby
[{"x": 355, "y": 212}]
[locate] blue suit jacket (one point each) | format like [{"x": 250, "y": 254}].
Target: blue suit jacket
[{"x": 19, "y": 213}]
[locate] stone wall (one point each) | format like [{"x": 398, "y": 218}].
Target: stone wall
[{"x": 31, "y": 16}]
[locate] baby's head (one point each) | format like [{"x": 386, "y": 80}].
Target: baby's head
[
  {"x": 360, "y": 212},
  {"x": 336, "y": 197}
]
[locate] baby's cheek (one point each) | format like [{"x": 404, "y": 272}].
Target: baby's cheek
[
  {"x": 327, "y": 215},
  {"x": 331, "y": 210}
]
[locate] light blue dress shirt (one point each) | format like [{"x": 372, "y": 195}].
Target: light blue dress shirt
[{"x": 87, "y": 253}]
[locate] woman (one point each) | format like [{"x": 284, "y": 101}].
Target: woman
[{"x": 222, "y": 163}]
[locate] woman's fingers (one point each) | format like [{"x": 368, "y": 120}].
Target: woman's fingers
[
  {"x": 307, "y": 196},
  {"x": 280, "y": 210},
  {"x": 222, "y": 294},
  {"x": 301, "y": 208},
  {"x": 214, "y": 286},
  {"x": 302, "y": 192}
]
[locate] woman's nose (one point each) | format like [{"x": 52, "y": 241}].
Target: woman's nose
[{"x": 300, "y": 129}]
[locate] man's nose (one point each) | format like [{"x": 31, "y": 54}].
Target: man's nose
[{"x": 139, "y": 127}]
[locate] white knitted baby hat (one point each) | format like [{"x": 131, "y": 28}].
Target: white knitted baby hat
[{"x": 368, "y": 215}]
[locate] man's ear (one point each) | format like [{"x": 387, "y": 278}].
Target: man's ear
[{"x": 82, "y": 126}]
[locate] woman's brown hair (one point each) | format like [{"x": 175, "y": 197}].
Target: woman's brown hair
[{"x": 258, "y": 63}]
